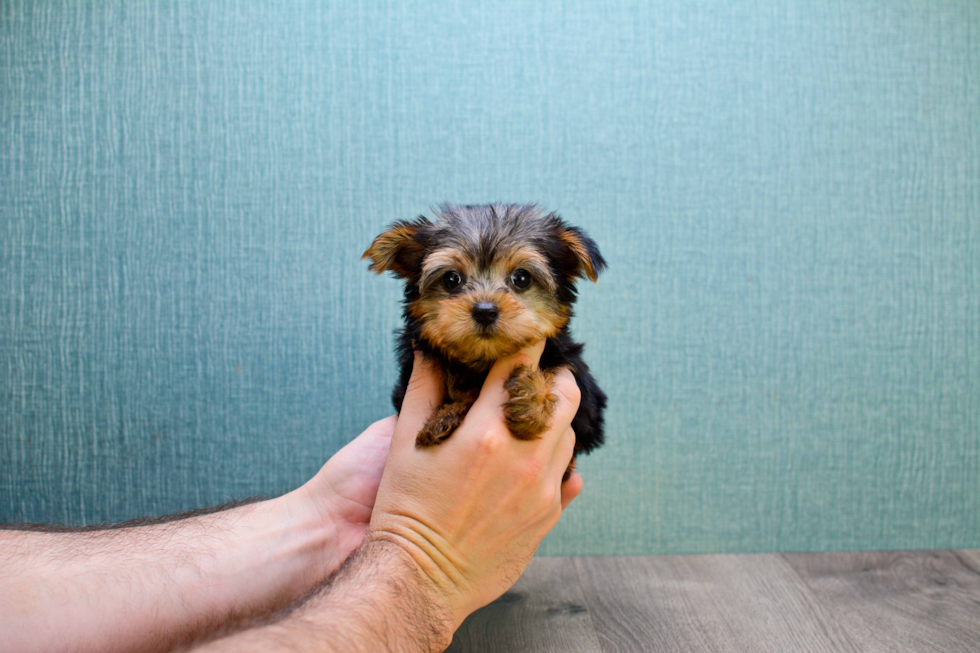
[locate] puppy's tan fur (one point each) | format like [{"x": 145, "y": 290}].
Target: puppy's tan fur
[{"x": 477, "y": 257}]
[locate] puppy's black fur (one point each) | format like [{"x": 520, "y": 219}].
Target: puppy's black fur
[{"x": 487, "y": 237}]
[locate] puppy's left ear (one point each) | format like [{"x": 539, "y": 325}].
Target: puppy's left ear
[
  {"x": 398, "y": 249},
  {"x": 588, "y": 262}
]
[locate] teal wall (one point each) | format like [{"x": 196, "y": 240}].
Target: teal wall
[{"x": 788, "y": 194}]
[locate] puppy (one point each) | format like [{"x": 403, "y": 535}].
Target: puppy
[{"x": 481, "y": 283}]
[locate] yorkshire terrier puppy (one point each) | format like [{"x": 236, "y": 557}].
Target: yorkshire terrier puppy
[{"x": 481, "y": 283}]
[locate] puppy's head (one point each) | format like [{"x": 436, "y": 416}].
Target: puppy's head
[{"x": 484, "y": 281}]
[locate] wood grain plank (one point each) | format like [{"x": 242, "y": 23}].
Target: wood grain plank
[
  {"x": 705, "y": 603},
  {"x": 970, "y": 558},
  {"x": 544, "y": 611},
  {"x": 899, "y": 601}
]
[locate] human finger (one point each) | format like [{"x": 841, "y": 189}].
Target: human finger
[
  {"x": 422, "y": 395},
  {"x": 562, "y": 457},
  {"x": 567, "y": 399},
  {"x": 383, "y": 428},
  {"x": 564, "y": 449},
  {"x": 570, "y": 489},
  {"x": 493, "y": 395},
  {"x": 376, "y": 437}
]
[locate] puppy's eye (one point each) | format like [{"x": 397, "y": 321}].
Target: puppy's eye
[
  {"x": 451, "y": 280},
  {"x": 521, "y": 278}
]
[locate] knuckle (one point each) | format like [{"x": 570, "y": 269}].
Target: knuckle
[
  {"x": 418, "y": 381},
  {"x": 521, "y": 363},
  {"x": 500, "y": 431},
  {"x": 414, "y": 383},
  {"x": 490, "y": 442}
]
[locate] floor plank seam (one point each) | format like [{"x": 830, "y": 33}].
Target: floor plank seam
[{"x": 585, "y": 598}]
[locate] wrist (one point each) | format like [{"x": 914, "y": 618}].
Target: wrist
[
  {"x": 414, "y": 577},
  {"x": 245, "y": 562},
  {"x": 424, "y": 552},
  {"x": 318, "y": 522},
  {"x": 383, "y": 587},
  {"x": 298, "y": 543}
]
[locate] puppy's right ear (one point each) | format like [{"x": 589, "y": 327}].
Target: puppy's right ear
[{"x": 398, "y": 249}]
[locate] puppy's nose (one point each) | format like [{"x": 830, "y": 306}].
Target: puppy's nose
[{"x": 485, "y": 313}]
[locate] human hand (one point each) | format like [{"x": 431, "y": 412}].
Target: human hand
[
  {"x": 472, "y": 511},
  {"x": 451, "y": 527},
  {"x": 341, "y": 495}
]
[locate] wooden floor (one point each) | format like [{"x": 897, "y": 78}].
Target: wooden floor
[{"x": 895, "y": 601}]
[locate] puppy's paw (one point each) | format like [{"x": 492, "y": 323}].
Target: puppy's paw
[
  {"x": 528, "y": 411},
  {"x": 442, "y": 423}
]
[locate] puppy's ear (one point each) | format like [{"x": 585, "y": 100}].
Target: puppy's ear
[
  {"x": 398, "y": 249},
  {"x": 582, "y": 251}
]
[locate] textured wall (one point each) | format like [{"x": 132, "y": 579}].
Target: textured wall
[{"x": 788, "y": 195}]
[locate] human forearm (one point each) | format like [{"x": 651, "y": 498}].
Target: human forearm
[
  {"x": 452, "y": 528},
  {"x": 380, "y": 600},
  {"x": 106, "y": 590}
]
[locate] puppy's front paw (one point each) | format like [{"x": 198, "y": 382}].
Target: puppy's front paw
[
  {"x": 528, "y": 411},
  {"x": 442, "y": 423}
]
